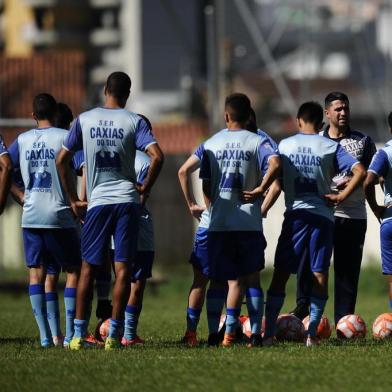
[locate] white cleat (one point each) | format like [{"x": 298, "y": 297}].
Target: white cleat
[
  {"x": 58, "y": 341},
  {"x": 310, "y": 342}
]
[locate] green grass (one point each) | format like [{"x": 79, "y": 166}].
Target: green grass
[{"x": 162, "y": 364}]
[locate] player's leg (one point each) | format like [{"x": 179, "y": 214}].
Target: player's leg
[
  {"x": 52, "y": 303},
  {"x": 349, "y": 238},
  {"x": 103, "y": 284},
  {"x": 292, "y": 245},
  {"x": 141, "y": 271},
  {"x": 386, "y": 255},
  {"x": 320, "y": 252},
  {"x": 36, "y": 255},
  {"x": 70, "y": 302},
  {"x": 126, "y": 217},
  {"x": 215, "y": 301}
]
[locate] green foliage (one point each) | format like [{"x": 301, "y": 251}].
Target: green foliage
[{"x": 163, "y": 364}]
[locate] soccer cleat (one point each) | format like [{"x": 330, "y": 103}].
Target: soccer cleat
[
  {"x": 300, "y": 311},
  {"x": 58, "y": 341},
  {"x": 132, "y": 342},
  {"x": 214, "y": 339},
  {"x": 46, "y": 343},
  {"x": 81, "y": 344},
  {"x": 269, "y": 341},
  {"x": 112, "y": 344},
  {"x": 190, "y": 339},
  {"x": 90, "y": 338},
  {"x": 229, "y": 339},
  {"x": 310, "y": 342},
  {"x": 66, "y": 343},
  {"x": 255, "y": 340}
]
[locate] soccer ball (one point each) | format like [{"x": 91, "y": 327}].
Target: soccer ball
[
  {"x": 222, "y": 321},
  {"x": 351, "y": 326},
  {"x": 104, "y": 329},
  {"x": 382, "y": 326},
  {"x": 324, "y": 329},
  {"x": 290, "y": 328},
  {"x": 246, "y": 327}
]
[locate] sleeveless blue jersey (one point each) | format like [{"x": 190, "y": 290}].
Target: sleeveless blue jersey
[
  {"x": 109, "y": 139},
  {"x": 309, "y": 163}
]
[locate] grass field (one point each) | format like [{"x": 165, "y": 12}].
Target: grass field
[{"x": 163, "y": 364}]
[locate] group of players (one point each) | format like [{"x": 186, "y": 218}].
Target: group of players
[{"x": 322, "y": 172}]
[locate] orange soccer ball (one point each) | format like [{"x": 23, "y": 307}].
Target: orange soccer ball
[
  {"x": 382, "y": 326},
  {"x": 324, "y": 328},
  {"x": 290, "y": 328},
  {"x": 351, "y": 326}
]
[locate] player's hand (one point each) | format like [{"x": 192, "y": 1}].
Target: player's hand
[
  {"x": 251, "y": 196},
  {"x": 196, "y": 211},
  {"x": 342, "y": 184},
  {"x": 333, "y": 199},
  {"x": 143, "y": 194},
  {"x": 79, "y": 209}
]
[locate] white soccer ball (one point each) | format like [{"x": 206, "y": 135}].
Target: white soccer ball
[
  {"x": 382, "y": 326},
  {"x": 351, "y": 326},
  {"x": 289, "y": 328}
]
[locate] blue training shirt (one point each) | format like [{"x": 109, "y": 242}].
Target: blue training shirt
[
  {"x": 34, "y": 153},
  {"x": 309, "y": 163},
  {"x": 381, "y": 166},
  {"x": 109, "y": 139},
  {"x": 234, "y": 161}
]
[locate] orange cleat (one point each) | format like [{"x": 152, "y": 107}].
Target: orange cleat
[
  {"x": 132, "y": 342},
  {"x": 190, "y": 339},
  {"x": 229, "y": 339}
]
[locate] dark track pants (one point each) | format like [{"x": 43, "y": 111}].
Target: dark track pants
[{"x": 349, "y": 237}]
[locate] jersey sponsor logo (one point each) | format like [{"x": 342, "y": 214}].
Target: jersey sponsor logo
[
  {"x": 40, "y": 181},
  {"x": 304, "y": 185},
  {"x": 108, "y": 161},
  {"x": 353, "y": 146},
  {"x": 231, "y": 182}
]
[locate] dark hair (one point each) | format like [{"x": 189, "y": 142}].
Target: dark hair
[
  {"x": 390, "y": 120},
  {"x": 335, "y": 96},
  {"x": 311, "y": 112},
  {"x": 146, "y": 120},
  {"x": 238, "y": 107},
  {"x": 118, "y": 84},
  {"x": 63, "y": 116},
  {"x": 44, "y": 107},
  {"x": 251, "y": 123}
]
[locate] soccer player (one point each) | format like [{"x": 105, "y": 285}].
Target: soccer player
[
  {"x": 381, "y": 167},
  {"x": 236, "y": 169},
  {"x": 109, "y": 137},
  {"x": 350, "y": 216},
  {"x": 309, "y": 162},
  {"x": 5, "y": 174},
  {"x": 50, "y": 239},
  {"x": 217, "y": 292}
]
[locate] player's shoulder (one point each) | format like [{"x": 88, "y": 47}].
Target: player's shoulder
[{"x": 215, "y": 138}]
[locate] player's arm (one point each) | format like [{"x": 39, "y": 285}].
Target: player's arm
[
  {"x": 72, "y": 143},
  {"x": 345, "y": 162},
  {"x": 5, "y": 179},
  {"x": 184, "y": 174},
  {"x": 157, "y": 158},
  {"x": 205, "y": 176},
  {"x": 272, "y": 173},
  {"x": 83, "y": 187},
  {"x": 378, "y": 168},
  {"x": 272, "y": 195}
]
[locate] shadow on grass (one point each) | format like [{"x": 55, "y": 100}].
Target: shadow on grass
[{"x": 17, "y": 340}]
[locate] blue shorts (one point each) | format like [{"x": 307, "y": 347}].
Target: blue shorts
[
  {"x": 304, "y": 235},
  {"x": 121, "y": 221},
  {"x": 53, "y": 248},
  {"x": 199, "y": 255},
  {"x": 233, "y": 254},
  {"x": 142, "y": 265},
  {"x": 386, "y": 247}
]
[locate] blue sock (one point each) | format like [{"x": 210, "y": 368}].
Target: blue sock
[
  {"x": 317, "y": 306},
  {"x": 272, "y": 309},
  {"x": 192, "y": 319},
  {"x": 214, "y": 304},
  {"x": 80, "y": 328},
  {"x": 70, "y": 309},
  {"x": 232, "y": 319},
  {"x": 390, "y": 303},
  {"x": 115, "y": 327},
  {"x": 38, "y": 304},
  {"x": 131, "y": 321},
  {"x": 255, "y": 304},
  {"x": 103, "y": 284},
  {"x": 53, "y": 313}
]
